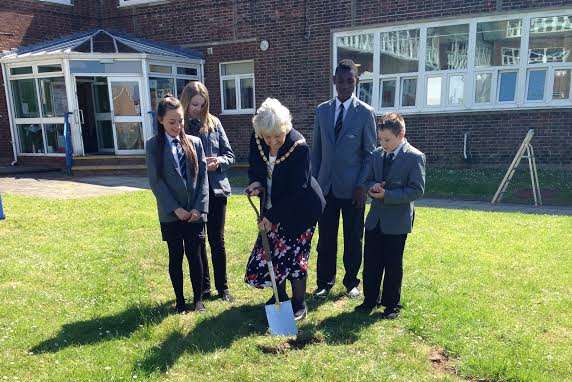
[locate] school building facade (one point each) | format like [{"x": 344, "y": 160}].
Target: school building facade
[{"x": 471, "y": 76}]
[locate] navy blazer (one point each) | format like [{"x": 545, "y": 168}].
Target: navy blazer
[
  {"x": 168, "y": 186},
  {"x": 297, "y": 200},
  {"x": 216, "y": 144}
]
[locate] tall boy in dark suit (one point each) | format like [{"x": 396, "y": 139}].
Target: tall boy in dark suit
[{"x": 396, "y": 178}]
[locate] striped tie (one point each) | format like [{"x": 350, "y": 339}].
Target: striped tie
[
  {"x": 339, "y": 121},
  {"x": 182, "y": 158}
]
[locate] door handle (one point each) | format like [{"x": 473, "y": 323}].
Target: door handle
[{"x": 81, "y": 119}]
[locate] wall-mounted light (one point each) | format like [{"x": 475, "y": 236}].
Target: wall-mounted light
[{"x": 264, "y": 45}]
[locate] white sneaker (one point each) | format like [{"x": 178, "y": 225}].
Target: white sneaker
[{"x": 354, "y": 293}]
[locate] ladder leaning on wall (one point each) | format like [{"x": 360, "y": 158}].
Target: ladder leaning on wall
[{"x": 524, "y": 147}]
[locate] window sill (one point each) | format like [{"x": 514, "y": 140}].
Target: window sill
[
  {"x": 58, "y": 2},
  {"x": 238, "y": 112},
  {"x": 141, "y": 3}
]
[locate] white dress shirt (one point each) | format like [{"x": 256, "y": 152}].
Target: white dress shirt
[
  {"x": 175, "y": 154},
  {"x": 347, "y": 104}
]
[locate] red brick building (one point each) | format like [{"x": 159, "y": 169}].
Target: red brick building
[{"x": 471, "y": 76}]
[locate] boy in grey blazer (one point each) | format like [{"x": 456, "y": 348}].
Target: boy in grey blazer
[
  {"x": 343, "y": 139},
  {"x": 396, "y": 178}
]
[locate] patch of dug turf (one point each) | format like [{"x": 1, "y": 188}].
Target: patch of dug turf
[{"x": 298, "y": 343}]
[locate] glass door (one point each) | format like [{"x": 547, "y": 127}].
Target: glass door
[
  {"x": 103, "y": 125},
  {"x": 126, "y": 116}
]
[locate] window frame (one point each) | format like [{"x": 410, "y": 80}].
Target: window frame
[
  {"x": 469, "y": 103},
  {"x": 237, "y": 78},
  {"x": 41, "y": 119}
]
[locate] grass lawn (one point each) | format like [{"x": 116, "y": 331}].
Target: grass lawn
[{"x": 86, "y": 297}]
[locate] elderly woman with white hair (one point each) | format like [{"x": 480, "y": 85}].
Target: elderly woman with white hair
[{"x": 280, "y": 169}]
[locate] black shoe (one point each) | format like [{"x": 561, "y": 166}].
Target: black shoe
[
  {"x": 207, "y": 294},
  {"x": 321, "y": 293},
  {"x": 272, "y": 300},
  {"x": 390, "y": 313},
  {"x": 301, "y": 312},
  {"x": 226, "y": 296},
  {"x": 181, "y": 309},
  {"x": 200, "y": 307},
  {"x": 364, "y": 308}
]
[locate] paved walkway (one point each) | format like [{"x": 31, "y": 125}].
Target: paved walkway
[{"x": 62, "y": 187}]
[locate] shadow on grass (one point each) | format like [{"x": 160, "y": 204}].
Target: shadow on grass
[
  {"x": 209, "y": 335},
  {"x": 106, "y": 328}
]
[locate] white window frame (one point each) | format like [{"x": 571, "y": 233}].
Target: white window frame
[
  {"x": 41, "y": 120},
  {"x": 62, "y": 2},
  {"x": 469, "y": 102},
  {"x": 236, "y": 78},
  {"x": 173, "y": 75}
]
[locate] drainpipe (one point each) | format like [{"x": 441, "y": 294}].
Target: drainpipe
[{"x": 10, "y": 119}]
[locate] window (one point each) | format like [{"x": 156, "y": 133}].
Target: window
[
  {"x": 237, "y": 87},
  {"x": 536, "y": 82},
  {"x": 520, "y": 60},
  {"x": 39, "y": 101},
  {"x": 164, "y": 79}
]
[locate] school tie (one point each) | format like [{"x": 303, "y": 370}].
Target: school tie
[
  {"x": 387, "y": 162},
  {"x": 182, "y": 158},
  {"x": 339, "y": 121}
]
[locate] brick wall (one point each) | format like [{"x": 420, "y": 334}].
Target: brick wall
[
  {"x": 27, "y": 22},
  {"x": 296, "y": 68}
]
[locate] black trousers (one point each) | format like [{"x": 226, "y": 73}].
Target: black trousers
[
  {"x": 185, "y": 239},
  {"x": 328, "y": 242},
  {"x": 215, "y": 234},
  {"x": 383, "y": 258}
]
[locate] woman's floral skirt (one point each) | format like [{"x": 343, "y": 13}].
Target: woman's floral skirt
[{"x": 289, "y": 257}]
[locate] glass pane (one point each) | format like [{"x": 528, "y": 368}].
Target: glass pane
[
  {"x": 483, "y": 83},
  {"x": 388, "y": 93},
  {"x": 31, "y": 140},
  {"x": 498, "y": 43},
  {"x": 187, "y": 71},
  {"x": 129, "y": 136},
  {"x": 364, "y": 91},
  {"x": 159, "y": 87},
  {"x": 25, "y": 98},
  {"x": 359, "y": 49},
  {"x": 124, "y": 48},
  {"x": 456, "y": 90},
  {"x": 126, "y": 99},
  {"x": 246, "y": 93},
  {"x": 237, "y": 68},
  {"x": 434, "y": 91},
  {"x": 181, "y": 83},
  {"x": 536, "y": 80},
  {"x": 561, "y": 84},
  {"x": 49, "y": 68},
  {"x": 129, "y": 67},
  {"x": 400, "y": 51},
  {"x": 447, "y": 47},
  {"x": 55, "y": 138},
  {"x": 23, "y": 70},
  {"x": 550, "y": 39},
  {"x": 102, "y": 97},
  {"x": 160, "y": 69},
  {"x": 229, "y": 94},
  {"x": 507, "y": 86},
  {"x": 53, "y": 96},
  {"x": 104, "y": 135},
  {"x": 408, "y": 91}
]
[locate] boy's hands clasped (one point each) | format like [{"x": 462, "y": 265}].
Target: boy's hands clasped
[{"x": 377, "y": 191}]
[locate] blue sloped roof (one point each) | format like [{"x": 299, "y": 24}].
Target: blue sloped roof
[{"x": 76, "y": 38}]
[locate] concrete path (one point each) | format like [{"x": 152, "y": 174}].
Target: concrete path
[{"x": 63, "y": 187}]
